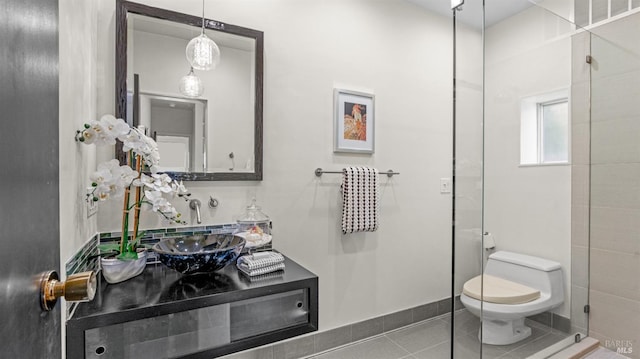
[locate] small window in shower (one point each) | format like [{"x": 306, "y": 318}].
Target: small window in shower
[{"x": 544, "y": 129}]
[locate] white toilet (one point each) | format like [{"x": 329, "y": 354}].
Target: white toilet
[{"x": 515, "y": 286}]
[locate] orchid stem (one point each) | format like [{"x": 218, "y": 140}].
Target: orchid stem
[{"x": 136, "y": 211}]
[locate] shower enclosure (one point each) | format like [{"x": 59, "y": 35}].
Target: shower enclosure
[{"x": 547, "y": 164}]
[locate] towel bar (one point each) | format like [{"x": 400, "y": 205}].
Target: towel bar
[{"x": 319, "y": 171}]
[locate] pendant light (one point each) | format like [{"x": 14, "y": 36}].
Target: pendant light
[
  {"x": 202, "y": 52},
  {"x": 191, "y": 85}
]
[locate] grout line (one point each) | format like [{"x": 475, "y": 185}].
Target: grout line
[{"x": 399, "y": 346}]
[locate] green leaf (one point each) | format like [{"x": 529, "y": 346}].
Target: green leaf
[
  {"x": 109, "y": 247},
  {"x": 128, "y": 256}
]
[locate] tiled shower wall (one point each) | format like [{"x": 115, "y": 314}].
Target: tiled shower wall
[{"x": 612, "y": 197}]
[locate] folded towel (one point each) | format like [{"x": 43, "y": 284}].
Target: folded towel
[
  {"x": 263, "y": 278},
  {"x": 360, "y": 199},
  {"x": 255, "y": 263},
  {"x": 261, "y": 270}
]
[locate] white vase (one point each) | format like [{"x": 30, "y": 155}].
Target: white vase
[{"x": 117, "y": 270}]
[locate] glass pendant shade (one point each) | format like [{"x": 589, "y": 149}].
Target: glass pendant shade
[
  {"x": 191, "y": 85},
  {"x": 203, "y": 53}
]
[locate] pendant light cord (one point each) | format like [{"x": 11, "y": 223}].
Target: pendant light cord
[{"x": 203, "y": 17}]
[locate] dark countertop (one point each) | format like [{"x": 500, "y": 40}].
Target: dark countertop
[{"x": 160, "y": 290}]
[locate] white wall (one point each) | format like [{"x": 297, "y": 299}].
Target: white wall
[
  {"x": 77, "y": 45},
  {"x": 391, "y": 48},
  {"x": 527, "y": 209}
]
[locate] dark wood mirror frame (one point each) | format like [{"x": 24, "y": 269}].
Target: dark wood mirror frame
[{"x": 126, "y": 7}]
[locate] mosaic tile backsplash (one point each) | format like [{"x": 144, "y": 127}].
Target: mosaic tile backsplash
[
  {"x": 153, "y": 236},
  {"x": 86, "y": 259}
]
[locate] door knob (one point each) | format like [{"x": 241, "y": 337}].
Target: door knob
[{"x": 79, "y": 287}]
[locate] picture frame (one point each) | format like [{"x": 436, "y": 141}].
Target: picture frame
[{"x": 354, "y": 121}]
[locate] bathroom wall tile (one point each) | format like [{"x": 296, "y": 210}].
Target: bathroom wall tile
[
  {"x": 616, "y": 140},
  {"x": 615, "y": 58},
  {"x": 444, "y": 306},
  {"x": 424, "y": 312},
  {"x": 615, "y": 185},
  {"x": 458, "y": 303},
  {"x": 543, "y": 318},
  {"x": 295, "y": 348},
  {"x": 615, "y": 96},
  {"x": 580, "y": 48},
  {"x": 615, "y": 273},
  {"x": 615, "y": 229},
  {"x": 580, "y": 225},
  {"x": 614, "y": 318},
  {"x": 580, "y": 266},
  {"x": 580, "y": 185},
  {"x": 367, "y": 328},
  {"x": 580, "y": 143},
  {"x": 561, "y": 323},
  {"x": 580, "y": 105},
  {"x": 258, "y": 353},
  {"x": 579, "y": 298},
  {"x": 332, "y": 338},
  {"x": 398, "y": 319}
]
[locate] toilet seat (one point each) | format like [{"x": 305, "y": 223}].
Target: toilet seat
[{"x": 498, "y": 290}]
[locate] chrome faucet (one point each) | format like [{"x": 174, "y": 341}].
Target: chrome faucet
[{"x": 195, "y": 205}]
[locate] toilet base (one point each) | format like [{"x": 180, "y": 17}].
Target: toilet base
[{"x": 500, "y": 332}]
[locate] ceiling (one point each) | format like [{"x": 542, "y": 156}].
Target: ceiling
[
  {"x": 471, "y": 13},
  {"x": 187, "y": 32}
]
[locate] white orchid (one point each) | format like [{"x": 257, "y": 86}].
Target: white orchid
[
  {"x": 178, "y": 188},
  {"x": 113, "y": 180},
  {"x": 131, "y": 140},
  {"x": 104, "y": 131},
  {"x": 156, "y": 182},
  {"x": 161, "y": 205}
]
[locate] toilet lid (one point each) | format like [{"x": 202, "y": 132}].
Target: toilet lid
[{"x": 499, "y": 291}]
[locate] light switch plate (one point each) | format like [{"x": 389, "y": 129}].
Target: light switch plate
[{"x": 445, "y": 185}]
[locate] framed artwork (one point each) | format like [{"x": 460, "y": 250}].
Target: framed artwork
[{"x": 354, "y": 121}]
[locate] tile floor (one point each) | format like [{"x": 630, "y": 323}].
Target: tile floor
[{"x": 430, "y": 340}]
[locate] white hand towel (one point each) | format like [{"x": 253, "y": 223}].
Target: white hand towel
[{"x": 360, "y": 199}]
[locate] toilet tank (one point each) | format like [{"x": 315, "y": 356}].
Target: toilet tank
[{"x": 534, "y": 272}]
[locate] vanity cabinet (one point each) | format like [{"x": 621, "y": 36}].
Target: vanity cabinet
[{"x": 164, "y": 314}]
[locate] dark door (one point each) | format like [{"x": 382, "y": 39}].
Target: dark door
[{"x": 29, "y": 213}]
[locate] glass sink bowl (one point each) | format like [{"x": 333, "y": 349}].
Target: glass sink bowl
[{"x": 199, "y": 253}]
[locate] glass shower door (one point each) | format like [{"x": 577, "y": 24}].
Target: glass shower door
[
  {"x": 519, "y": 105},
  {"x": 468, "y": 172}
]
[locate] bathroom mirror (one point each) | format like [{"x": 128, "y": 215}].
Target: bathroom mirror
[{"x": 214, "y": 137}]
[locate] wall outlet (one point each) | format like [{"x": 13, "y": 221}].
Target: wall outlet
[
  {"x": 92, "y": 206},
  {"x": 445, "y": 185}
]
